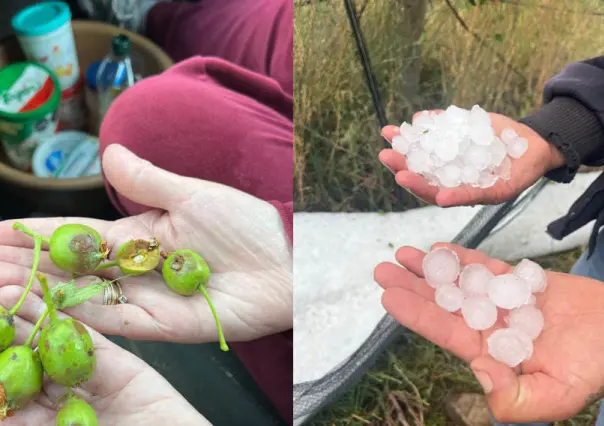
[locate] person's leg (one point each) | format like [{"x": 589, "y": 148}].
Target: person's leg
[
  {"x": 210, "y": 119},
  {"x": 592, "y": 267},
  {"x": 254, "y": 34}
]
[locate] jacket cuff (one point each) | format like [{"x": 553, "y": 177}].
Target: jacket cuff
[{"x": 573, "y": 129}]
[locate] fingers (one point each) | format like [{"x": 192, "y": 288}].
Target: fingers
[
  {"x": 11, "y": 255},
  {"x": 411, "y": 258},
  {"x": 437, "y": 325},
  {"x": 418, "y": 185},
  {"x": 527, "y": 398},
  {"x": 466, "y": 195},
  {"x": 27, "y": 316},
  {"x": 142, "y": 182},
  {"x": 395, "y": 161},
  {"x": 389, "y": 132},
  {"x": 34, "y": 414},
  {"x": 114, "y": 368},
  {"x": 389, "y": 275},
  {"x": 16, "y": 275},
  {"x": 44, "y": 226}
]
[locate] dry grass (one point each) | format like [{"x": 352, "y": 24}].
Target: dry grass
[
  {"x": 337, "y": 135},
  {"x": 337, "y": 141}
]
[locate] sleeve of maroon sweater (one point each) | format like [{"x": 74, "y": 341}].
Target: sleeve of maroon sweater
[{"x": 572, "y": 116}]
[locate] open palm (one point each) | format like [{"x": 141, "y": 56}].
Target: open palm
[
  {"x": 241, "y": 237},
  {"x": 124, "y": 390},
  {"x": 566, "y": 371},
  {"x": 538, "y": 160}
]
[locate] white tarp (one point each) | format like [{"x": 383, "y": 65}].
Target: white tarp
[{"x": 337, "y": 303}]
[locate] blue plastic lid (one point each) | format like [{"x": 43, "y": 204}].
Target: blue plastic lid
[
  {"x": 41, "y": 18},
  {"x": 91, "y": 73},
  {"x": 113, "y": 74}
]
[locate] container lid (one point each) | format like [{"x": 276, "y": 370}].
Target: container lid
[
  {"x": 67, "y": 154},
  {"x": 91, "y": 73},
  {"x": 28, "y": 91},
  {"x": 121, "y": 45},
  {"x": 41, "y": 18},
  {"x": 114, "y": 74}
]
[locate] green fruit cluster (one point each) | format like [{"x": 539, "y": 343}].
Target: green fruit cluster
[{"x": 65, "y": 351}]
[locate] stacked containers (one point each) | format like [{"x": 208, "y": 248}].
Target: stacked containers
[
  {"x": 29, "y": 99},
  {"x": 46, "y": 37}
]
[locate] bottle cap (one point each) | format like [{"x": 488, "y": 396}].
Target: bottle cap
[{"x": 121, "y": 45}]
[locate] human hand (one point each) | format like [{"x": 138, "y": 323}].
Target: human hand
[
  {"x": 124, "y": 390},
  {"x": 241, "y": 237},
  {"x": 565, "y": 372},
  {"x": 540, "y": 158}
]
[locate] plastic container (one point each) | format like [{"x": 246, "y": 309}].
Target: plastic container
[
  {"x": 29, "y": 100},
  {"x": 45, "y": 35},
  {"x": 68, "y": 154},
  {"x": 85, "y": 196},
  {"x": 72, "y": 110}
]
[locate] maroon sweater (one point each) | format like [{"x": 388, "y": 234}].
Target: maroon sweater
[{"x": 225, "y": 115}]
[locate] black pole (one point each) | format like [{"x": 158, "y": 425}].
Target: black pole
[{"x": 369, "y": 75}]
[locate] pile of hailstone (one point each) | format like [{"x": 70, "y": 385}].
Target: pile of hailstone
[
  {"x": 478, "y": 293},
  {"x": 458, "y": 146}
]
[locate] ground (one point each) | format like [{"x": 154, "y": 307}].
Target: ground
[{"x": 500, "y": 60}]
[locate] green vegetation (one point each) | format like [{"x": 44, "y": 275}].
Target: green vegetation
[
  {"x": 337, "y": 141},
  {"x": 337, "y": 135}
]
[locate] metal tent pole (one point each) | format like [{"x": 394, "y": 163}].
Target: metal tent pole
[{"x": 370, "y": 78}]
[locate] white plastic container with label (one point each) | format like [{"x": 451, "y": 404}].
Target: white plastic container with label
[
  {"x": 68, "y": 154},
  {"x": 45, "y": 35}
]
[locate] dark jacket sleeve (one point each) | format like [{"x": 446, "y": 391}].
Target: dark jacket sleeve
[{"x": 572, "y": 116}]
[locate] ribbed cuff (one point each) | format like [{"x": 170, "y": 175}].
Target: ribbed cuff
[{"x": 573, "y": 129}]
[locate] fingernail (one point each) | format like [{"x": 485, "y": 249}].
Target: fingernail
[{"x": 485, "y": 381}]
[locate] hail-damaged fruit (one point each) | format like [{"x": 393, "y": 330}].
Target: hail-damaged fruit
[
  {"x": 20, "y": 378},
  {"x": 186, "y": 272},
  {"x": 67, "y": 352},
  {"x": 137, "y": 257},
  {"x": 76, "y": 412},
  {"x": 77, "y": 248},
  {"x": 7, "y": 328}
]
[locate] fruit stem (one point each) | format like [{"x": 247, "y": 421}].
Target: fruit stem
[
  {"x": 106, "y": 265},
  {"x": 47, "y": 297},
  {"x": 34, "y": 269},
  {"x": 33, "y": 333},
  {"x": 18, "y": 226},
  {"x": 223, "y": 343}
]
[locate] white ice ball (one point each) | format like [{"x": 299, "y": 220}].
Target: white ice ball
[
  {"x": 401, "y": 144},
  {"x": 510, "y": 346},
  {"x": 474, "y": 278},
  {"x": 527, "y": 319},
  {"x": 533, "y": 274},
  {"x": 508, "y": 291},
  {"x": 449, "y": 297},
  {"x": 479, "y": 312},
  {"x": 441, "y": 266},
  {"x": 517, "y": 147}
]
